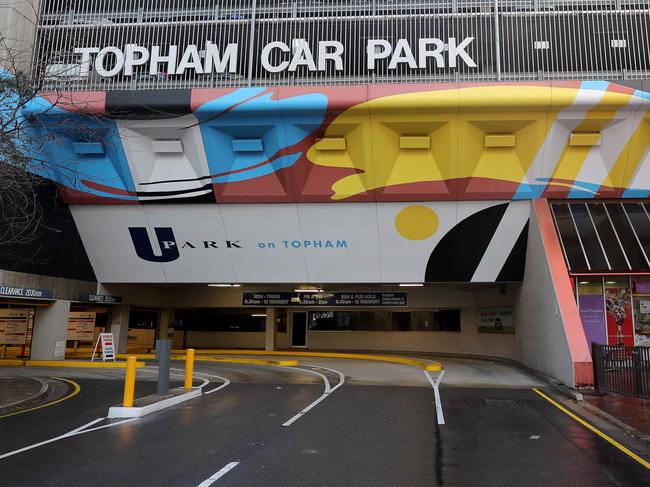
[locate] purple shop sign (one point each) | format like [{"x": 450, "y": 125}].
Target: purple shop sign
[
  {"x": 592, "y": 314},
  {"x": 642, "y": 287}
]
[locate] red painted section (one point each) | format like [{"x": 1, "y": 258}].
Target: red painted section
[
  {"x": 74, "y": 197},
  {"x": 583, "y": 373},
  {"x": 92, "y": 102}
]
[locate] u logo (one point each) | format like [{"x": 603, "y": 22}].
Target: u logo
[{"x": 144, "y": 249}]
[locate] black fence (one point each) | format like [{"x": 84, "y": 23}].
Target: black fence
[{"x": 623, "y": 370}]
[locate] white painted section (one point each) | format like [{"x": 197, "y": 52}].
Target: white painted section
[
  {"x": 217, "y": 475},
  {"x": 137, "y": 412},
  {"x": 435, "y": 383},
  {"x": 77, "y": 431},
  {"x": 541, "y": 341},
  {"x": 328, "y": 391},
  {"x": 504, "y": 239}
]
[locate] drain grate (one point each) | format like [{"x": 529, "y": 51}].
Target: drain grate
[{"x": 504, "y": 403}]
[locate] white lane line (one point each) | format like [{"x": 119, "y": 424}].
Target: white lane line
[
  {"x": 74, "y": 432},
  {"x": 226, "y": 382},
  {"x": 436, "y": 393},
  {"x": 217, "y": 475},
  {"x": 105, "y": 426},
  {"x": 328, "y": 391}
]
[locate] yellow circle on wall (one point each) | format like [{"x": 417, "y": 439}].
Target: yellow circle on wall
[{"x": 416, "y": 222}]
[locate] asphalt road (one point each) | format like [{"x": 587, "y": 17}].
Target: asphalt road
[{"x": 359, "y": 435}]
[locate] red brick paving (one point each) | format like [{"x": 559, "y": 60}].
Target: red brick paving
[{"x": 632, "y": 411}]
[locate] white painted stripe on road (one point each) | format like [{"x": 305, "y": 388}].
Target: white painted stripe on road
[
  {"x": 436, "y": 394},
  {"x": 106, "y": 426},
  {"x": 328, "y": 391},
  {"x": 226, "y": 382},
  {"x": 217, "y": 475}
]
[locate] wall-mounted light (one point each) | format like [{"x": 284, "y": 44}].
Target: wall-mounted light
[
  {"x": 258, "y": 315},
  {"x": 308, "y": 290},
  {"x": 411, "y": 284},
  {"x": 224, "y": 285}
]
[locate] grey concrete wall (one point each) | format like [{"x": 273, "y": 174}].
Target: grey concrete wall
[
  {"x": 541, "y": 338},
  {"x": 50, "y": 327},
  {"x": 18, "y": 27},
  {"x": 63, "y": 288},
  {"x": 119, "y": 326}
]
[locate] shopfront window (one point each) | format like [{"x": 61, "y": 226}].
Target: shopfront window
[
  {"x": 641, "y": 310},
  {"x": 591, "y": 304},
  {"x": 223, "y": 319},
  {"x": 424, "y": 320},
  {"x": 618, "y": 302}
]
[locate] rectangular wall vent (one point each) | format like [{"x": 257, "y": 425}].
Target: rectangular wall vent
[
  {"x": 247, "y": 145},
  {"x": 584, "y": 140},
  {"x": 500, "y": 140},
  {"x": 167, "y": 146},
  {"x": 332, "y": 143},
  {"x": 414, "y": 142}
]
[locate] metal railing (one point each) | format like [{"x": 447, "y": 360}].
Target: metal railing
[
  {"x": 511, "y": 40},
  {"x": 623, "y": 370}
]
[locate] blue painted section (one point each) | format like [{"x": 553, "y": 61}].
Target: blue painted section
[
  {"x": 63, "y": 134},
  {"x": 594, "y": 85},
  {"x": 636, "y": 193},
  {"x": 247, "y": 145},
  {"x": 88, "y": 147},
  {"x": 276, "y": 124}
]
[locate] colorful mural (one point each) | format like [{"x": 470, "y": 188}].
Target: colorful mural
[{"x": 347, "y": 143}]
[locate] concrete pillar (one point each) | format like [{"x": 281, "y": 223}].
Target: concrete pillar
[
  {"x": 167, "y": 316},
  {"x": 50, "y": 330},
  {"x": 119, "y": 326},
  {"x": 271, "y": 330}
]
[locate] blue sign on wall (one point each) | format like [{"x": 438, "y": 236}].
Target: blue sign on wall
[{"x": 25, "y": 292}]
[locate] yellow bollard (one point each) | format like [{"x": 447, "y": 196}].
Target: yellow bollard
[
  {"x": 129, "y": 382},
  {"x": 189, "y": 367}
]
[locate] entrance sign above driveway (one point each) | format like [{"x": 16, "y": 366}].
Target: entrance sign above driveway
[{"x": 324, "y": 299}]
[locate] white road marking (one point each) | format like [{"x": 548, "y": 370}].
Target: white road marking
[
  {"x": 77, "y": 431},
  {"x": 435, "y": 383},
  {"x": 328, "y": 390},
  {"x": 105, "y": 426},
  {"x": 226, "y": 382},
  {"x": 217, "y": 475}
]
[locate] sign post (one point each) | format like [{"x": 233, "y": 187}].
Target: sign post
[
  {"x": 163, "y": 355},
  {"x": 105, "y": 341}
]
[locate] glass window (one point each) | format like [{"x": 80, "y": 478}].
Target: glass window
[
  {"x": 626, "y": 235},
  {"x": 569, "y": 238},
  {"x": 424, "y": 320},
  {"x": 223, "y": 319},
  {"x": 640, "y": 223},
  {"x": 589, "y": 237},
  {"x": 608, "y": 237}
]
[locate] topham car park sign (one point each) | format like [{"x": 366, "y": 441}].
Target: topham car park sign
[{"x": 275, "y": 57}]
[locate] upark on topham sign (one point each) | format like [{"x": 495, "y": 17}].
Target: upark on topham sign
[{"x": 275, "y": 57}]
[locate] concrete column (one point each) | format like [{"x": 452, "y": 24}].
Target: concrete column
[
  {"x": 50, "y": 330},
  {"x": 119, "y": 326},
  {"x": 271, "y": 330},
  {"x": 167, "y": 316}
]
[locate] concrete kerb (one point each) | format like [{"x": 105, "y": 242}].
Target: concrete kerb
[
  {"x": 177, "y": 397},
  {"x": 44, "y": 388},
  {"x": 80, "y": 364}
]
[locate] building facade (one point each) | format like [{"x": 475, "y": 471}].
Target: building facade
[{"x": 448, "y": 177}]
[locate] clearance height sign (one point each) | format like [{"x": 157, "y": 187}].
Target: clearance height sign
[{"x": 13, "y": 326}]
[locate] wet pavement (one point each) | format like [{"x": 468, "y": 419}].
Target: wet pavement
[
  {"x": 632, "y": 411},
  {"x": 367, "y": 432},
  {"x": 18, "y": 388}
]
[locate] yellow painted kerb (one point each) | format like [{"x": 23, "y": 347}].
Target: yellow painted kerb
[
  {"x": 595, "y": 430},
  {"x": 80, "y": 364},
  {"x": 421, "y": 364}
]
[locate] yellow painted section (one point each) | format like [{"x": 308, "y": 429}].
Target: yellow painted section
[
  {"x": 331, "y": 143},
  {"x": 76, "y": 390},
  {"x": 11, "y": 362},
  {"x": 234, "y": 360},
  {"x": 500, "y": 140},
  {"x": 595, "y": 121},
  {"x": 582, "y": 139},
  {"x": 416, "y": 222},
  {"x": 129, "y": 383},
  {"x": 595, "y": 430},
  {"x": 414, "y": 142},
  {"x": 421, "y": 364},
  {"x": 79, "y": 364},
  {"x": 189, "y": 367},
  {"x": 624, "y": 170}
]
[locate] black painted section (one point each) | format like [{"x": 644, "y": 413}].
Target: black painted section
[
  {"x": 459, "y": 252},
  {"x": 148, "y": 104},
  {"x": 513, "y": 269},
  {"x": 55, "y": 249}
]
